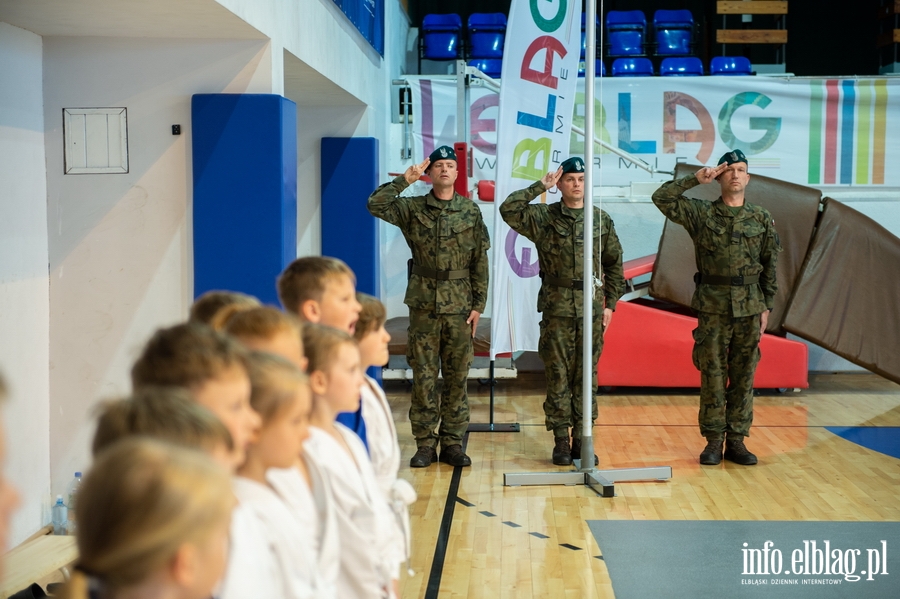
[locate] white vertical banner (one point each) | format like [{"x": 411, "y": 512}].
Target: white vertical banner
[{"x": 537, "y": 94}]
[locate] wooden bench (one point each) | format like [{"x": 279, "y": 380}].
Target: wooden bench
[
  {"x": 887, "y": 39},
  {"x": 36, "y": 559},
  {"x": 777, "y": 36}
]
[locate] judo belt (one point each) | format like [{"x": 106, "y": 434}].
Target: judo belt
[
  {"x": 720, "y": 280},
  {"x": 568, "y": 283},
  {"x": 440, "y": 275}
]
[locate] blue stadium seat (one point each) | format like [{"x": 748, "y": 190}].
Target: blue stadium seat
[
  {"x": 625, "y": 31},
  {"x": 486, "y": 34},
  {"x": 730, "y": 65},
  {"x": 632, "y": 67},
  {"x": 681, "y": 66},
  {"x": 441, "y": 36},
  {"x": 674, "y": 30},
  {"x": 599, "y": 68},
  {"x": 489, "y": 66}
]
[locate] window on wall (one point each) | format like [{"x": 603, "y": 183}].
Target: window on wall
[
  {"x": 368, "y": 17},
  {"x": 96, "y": 140}
]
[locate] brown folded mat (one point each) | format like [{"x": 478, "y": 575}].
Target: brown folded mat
[
  {"x": 848, "y": 297},
  {"x": 794, "y": 208}
]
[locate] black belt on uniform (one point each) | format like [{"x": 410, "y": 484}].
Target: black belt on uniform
[
  {"x": 722, "y": 280},
  {"x": 569, "y": 283},
  {"x": 440, "y": 275}
]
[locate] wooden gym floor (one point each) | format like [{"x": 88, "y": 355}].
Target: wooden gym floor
[{"x": 533, "y": 541}]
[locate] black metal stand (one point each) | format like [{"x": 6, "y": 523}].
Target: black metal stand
[{"x": 492, "y": 427}]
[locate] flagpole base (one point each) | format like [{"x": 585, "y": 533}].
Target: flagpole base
[{"x": 602, "y": 482}]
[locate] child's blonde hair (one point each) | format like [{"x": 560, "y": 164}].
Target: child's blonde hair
[
  {"x": 321, "y": 344},
  {"x": 210, "y": 306},
  {"x": 305, "y": 278},
  {"x": 166, "y": 413},
  {"x": 372, "y": 315},
  {"x": 274, "y": 381},
  {"x": 262, "y": 323},
  {"x": 186, "y": 355},
  {"x": 140, "y": 502}
]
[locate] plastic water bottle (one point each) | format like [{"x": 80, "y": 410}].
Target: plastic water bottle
[
  {"x": 73, "y": 498},
  {"x": 60, "y": 517}
]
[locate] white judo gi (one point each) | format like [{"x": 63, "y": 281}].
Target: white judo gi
[
  {"x": 364, "y": 519},
  {"x": 313, "y": 506},
  {"x": 384, "y": 451},
  {"x": 270, "y": 556}
]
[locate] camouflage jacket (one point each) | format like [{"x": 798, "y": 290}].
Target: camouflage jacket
[
  {"x": 728, "y": 245},
  {"x": 558, "y": 233},
  {"x": 443, "y": 235}
]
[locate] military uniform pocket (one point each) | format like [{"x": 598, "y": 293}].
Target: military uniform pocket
[
  {"x": 464, "y": 234},
  {"x": 712, "y": 234},
  {"x": 421, "y": 228},
  {"x": 698, "y": 355},
  {"x": 753, "y": 237}
]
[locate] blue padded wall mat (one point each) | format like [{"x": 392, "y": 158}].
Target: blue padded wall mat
[
  {"x": 245, "y": 191},
  {"x": 349, "y": 232}
]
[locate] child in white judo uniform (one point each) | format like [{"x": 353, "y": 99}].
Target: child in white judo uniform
[
  {"x": 303, "y": 486},
  {"x": 281, "y": 395},
  {"x": 364, "y": 520},
  {"x": 384, "y": 448}
]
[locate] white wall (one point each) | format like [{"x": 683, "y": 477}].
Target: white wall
[
  {"x": 314, "y": 123},
  {"x": 24, "y": 299},
  {"x": 120, "y": 245},
  {"x": 350, "y": 97},
  {"x": 320, "y": 35}
]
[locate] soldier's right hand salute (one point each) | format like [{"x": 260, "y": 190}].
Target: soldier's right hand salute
[
  {"x": 708, "y": 174},
  {"x": 414, "y": 172},
  {"x": 550, "y": 179}
]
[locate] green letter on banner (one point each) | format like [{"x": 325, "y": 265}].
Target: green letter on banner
[
  {"x": 771, "y": 125},
  {"x": 530, "y": 149},
  {"x": 551, "y": 25}
]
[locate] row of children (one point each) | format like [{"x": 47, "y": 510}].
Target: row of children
[{"x": 226, "y": 472}]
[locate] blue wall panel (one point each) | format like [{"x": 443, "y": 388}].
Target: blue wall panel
[
  {"x": 349, "y": 232},
  {"x": 245, "y": 191}
]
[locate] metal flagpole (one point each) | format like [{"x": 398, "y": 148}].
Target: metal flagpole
[{"x": 601, "y": 481}]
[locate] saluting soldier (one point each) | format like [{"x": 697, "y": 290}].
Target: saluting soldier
[
  {"x": 736, "y": 249},
  {"x": 557, "y": 230},
  {"x": 446, "y": 295}
]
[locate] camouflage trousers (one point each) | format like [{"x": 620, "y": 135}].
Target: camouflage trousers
[
  {"x": 560, "y": 347},
  {"x": 439, "y": 343},
  {"x": 726, "y": 352}
]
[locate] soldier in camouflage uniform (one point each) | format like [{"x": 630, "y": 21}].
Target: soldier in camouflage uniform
[
  {"x": 736, "y": 248},
  {"x": 446, "y": 295},
  {"x": 557, "y": 230}
]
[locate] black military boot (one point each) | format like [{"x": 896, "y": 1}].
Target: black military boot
[
  {"x": 737, "y": 452},
  {"x": 712, "y": 455},
  {"x": 455, "y": 456},
  {"x": 424, "y": 457},
  {"x": 562, "y": 453},
  {"x": 576, "y": 451}
]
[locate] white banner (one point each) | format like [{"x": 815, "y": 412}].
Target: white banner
[
  {"x": 805, "y": 131},
  {"x": 434, "y": 124},
  {"x": 537, "y": 94}
]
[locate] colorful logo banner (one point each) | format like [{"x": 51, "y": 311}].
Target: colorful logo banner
[
  {"x": 805, "y": 131},
  {"x": 537, "y": 95}
]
